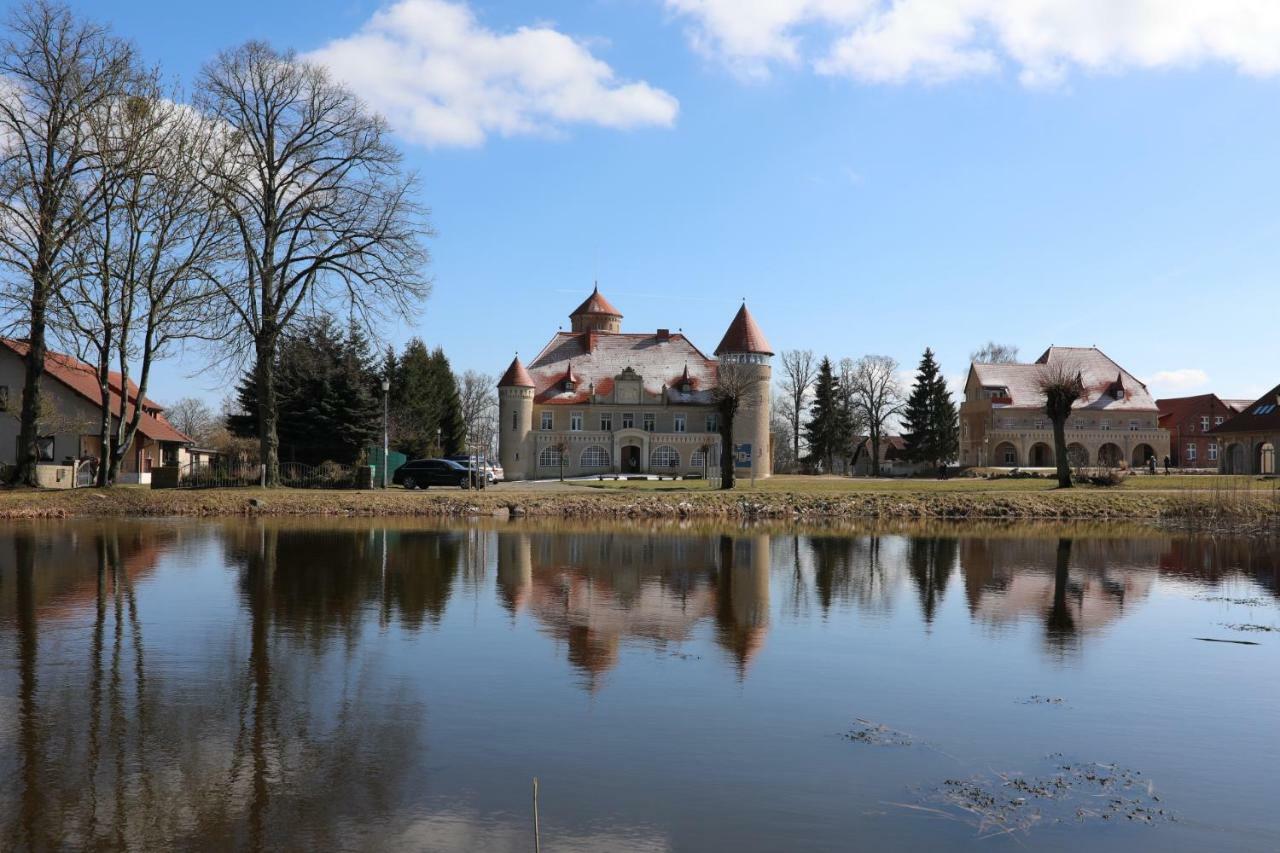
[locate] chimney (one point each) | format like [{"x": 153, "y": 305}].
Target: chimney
[
  {"x": 664, "y": 334},
  {"x": 590, "y": 342}
]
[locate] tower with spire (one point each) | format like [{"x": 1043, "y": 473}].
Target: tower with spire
[{"x": 610, "y": 403}]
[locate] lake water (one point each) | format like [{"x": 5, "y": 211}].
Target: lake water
[{"x": 396, "y": 686}]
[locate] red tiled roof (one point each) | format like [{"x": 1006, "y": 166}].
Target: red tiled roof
[
  {"x": 744, "y": 335},
  {"x": 1107, "y": 385},
  {"x": 82, "y": 379},
  {"x": 1262, "y": 415},
  {"x": 597, "y": 304},
  {"x": 516, "y": 376},
  {"x": 656, "y": 359}
]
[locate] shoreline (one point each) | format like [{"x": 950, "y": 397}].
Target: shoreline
[{"x": 1203, "y": 511}]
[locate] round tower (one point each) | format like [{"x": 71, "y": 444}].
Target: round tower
[
  {"x": 745, "y": 345},
  {"x": 515, "y": 423},
  {"x": 596, "y": 314}
]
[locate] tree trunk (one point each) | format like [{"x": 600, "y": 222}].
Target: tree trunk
[
  {"x": 29, "y": 417},
  {"x": 104, "y": 427},
  {"x": 875, "y": 452},
  {"x": 268, "y": 438},
  {"x": 1060, "y": 451},
  {"x": 727, "y": 459}
]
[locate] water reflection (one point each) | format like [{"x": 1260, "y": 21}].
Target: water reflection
[{"x": 258, "y": 685}]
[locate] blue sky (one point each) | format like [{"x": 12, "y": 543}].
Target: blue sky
[{"x": 871, "y": 182}]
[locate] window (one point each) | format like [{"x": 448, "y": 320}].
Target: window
[
  {"x": 1213, "y": 452},
  {"x": 1204, "y": 423},
  {"x": 1191, "y": 451},
  {"x": 665, "y": 456},
  {"x": 650, "y": 422},
  {"x": 678, "y": 424},
  {"x": 1040, "y": 423},
  {"x": 4, "y": 398},
  {"x": 575, "y": 421},
  {"x": 698, "y": 460},
  {"x": 595, "y": 456},
  {"x": 548, "y": 457},
  {"x": 546, "y": 420},
  {"x": 515, "y": 421},
  {"x": 44, "y": 448},
  {"x": 1133, "y": 426},
  {"x": 713, "y": 422},
  {"x": 1218, "y": 420},
  {"x": 1010, "y": 456},
  {"x": 628, "y": 420},
  {"x": 1265, "y": 410},
  {"x": 606, "y": 421},
  {"x": 1104, "y": 424}
]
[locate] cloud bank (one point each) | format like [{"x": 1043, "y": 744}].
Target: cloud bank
[
  {"x": 443, "y": 79},
  {"x": 896, "y": 41}
]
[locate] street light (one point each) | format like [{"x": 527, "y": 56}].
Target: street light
[{"x": 386, "y": 388}]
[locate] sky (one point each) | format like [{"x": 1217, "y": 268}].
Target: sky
[{"x": 871, "y": 176}]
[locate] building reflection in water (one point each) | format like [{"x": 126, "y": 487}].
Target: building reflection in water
[{"x": 596, "y": 592}]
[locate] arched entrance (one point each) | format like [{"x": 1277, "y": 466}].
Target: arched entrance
[
  {"x": 1266, "y": 459},
  {"x": 1233, "y": 459},
  {"x": 1041, "y": 455},
  {"x": 1110, "y": 455},
  {"x": 1005, "y": 454},
  {"x": 631, "y": 459},
  {"x": 1077, "y": 455},
  {"x": 1141, "y": 454}
]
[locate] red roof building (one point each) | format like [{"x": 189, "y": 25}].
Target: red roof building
[
  {"x": 1249, "y": 440},
  {"x": 1189, "y": 421}
]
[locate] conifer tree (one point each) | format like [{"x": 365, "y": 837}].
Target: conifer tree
[
  {"x": 828, "y": 431},
  {"x": 929, "y": 421}
]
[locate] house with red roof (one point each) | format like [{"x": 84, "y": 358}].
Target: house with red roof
[
  {"x": 69, "y": 429},
  {"x": 1115, "y": 424},
  {"x": 597, "y": 400},
  {"x": 1189, "y": 421},
  {"x": 1249, "y": 440}
]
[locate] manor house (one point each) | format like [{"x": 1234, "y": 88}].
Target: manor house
[{"x": 598, "y": 400}]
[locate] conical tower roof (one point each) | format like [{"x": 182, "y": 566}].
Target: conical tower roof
[
  {"x": 597, "y": 304},
  {"x": 744, "y": 335},
  {"x": 516, "y": 376}
]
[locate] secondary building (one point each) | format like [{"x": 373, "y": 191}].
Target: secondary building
[
  {"x": 1003, "y": 424},
  {"x": 1249, "y": 440},
  {"x": 598, "y": 400},
  {"x": 1189, "y": 420},
  {"x": 69, "y": 425}
]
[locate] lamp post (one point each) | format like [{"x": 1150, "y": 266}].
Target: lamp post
[{"x": 386, "y": 389}]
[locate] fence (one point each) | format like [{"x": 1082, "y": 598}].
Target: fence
[
  {"x": 326, "y": 475},
  {"x": 215, "y": 475}
]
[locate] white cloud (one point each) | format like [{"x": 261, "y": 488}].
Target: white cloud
[
  {"x": 1165, "y": 382},
  {"x": 444, "y": 79},
  {"x": 893, "y": 41}
]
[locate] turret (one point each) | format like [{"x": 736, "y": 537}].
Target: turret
[
  {"x": 596, "y": 314},
  {"x": 745, "y": 345},
  {"x": 515, "y": 422}
]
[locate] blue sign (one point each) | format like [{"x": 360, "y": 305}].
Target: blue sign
[{"x": 742, "y": 456}]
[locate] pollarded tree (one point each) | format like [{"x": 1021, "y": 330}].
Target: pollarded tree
[
  {"x": 736, "y": 384},
  {"x": 1061, "y": 389},
  {"x": 929, "y": 417},
  {"x": 325, "y": 215}
]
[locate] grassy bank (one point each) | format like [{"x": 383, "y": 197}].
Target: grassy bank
[{"x": 1227, "y": 503}]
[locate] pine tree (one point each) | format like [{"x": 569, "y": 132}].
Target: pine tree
[
  {"x": 931, "y": 434},
  {"x": 828, "y": 431}
]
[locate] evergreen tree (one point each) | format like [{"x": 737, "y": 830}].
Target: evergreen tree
[
  {"x": 829, "y": 429},
  {"x": 426, "y": 407},
  {"x": 453, "y": 426},
  {"x": 931, "y": 432},
  {"x": 326, "y": 395}
]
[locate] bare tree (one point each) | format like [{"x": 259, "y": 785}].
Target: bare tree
[
  {"x": 994, "y": 353},
  {"x": 325, "y": 215},
  {"x": 878, "y": 398},
  {"x": 1061, "y": 389},
  {"x": 479, "y": 408},
  {"x": 55, "y": 72},
  {"x": 799, "y": 370},
  {"x": 854, "y": 416},
  {"x": 780, "y": 437},
  {"x": 152, "y": 253},
  {"x": 736, "y": 384},
  {"x": 192, "y": 416}
]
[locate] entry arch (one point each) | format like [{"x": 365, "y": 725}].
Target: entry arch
[
  {"x": 1005, "y": 455},
  {"x": 1141, "y": 454},
  {"x": 1041, "y": 455},
  {"x": 1110, "y": 455}
]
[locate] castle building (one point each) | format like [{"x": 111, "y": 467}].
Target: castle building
[
  {"x": 1114, "y": 424},
  {"x": 597, "y": 400}
]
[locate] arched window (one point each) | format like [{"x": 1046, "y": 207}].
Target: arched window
[
  {"x": 594, "y": 456},
  {"x": 548, "y": 457},
  {"x": 697, "y": 460},
  {"x": 665, "y": 456}
]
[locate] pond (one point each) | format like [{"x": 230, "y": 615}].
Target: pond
[{"x": 392, "y": 685}]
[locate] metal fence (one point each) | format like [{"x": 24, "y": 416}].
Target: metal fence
[
  {"x": 217, "y": 475},
  {"x": 326, "y": 475}
]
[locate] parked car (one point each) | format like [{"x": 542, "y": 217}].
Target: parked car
[
  {"x": 424, "y": 473},
  {"x": 492, "y": 469}
]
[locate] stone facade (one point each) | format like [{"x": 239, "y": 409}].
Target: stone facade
[
  {"x": 600, "y": 401},
  {"x": 1003, "y": 424}
]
